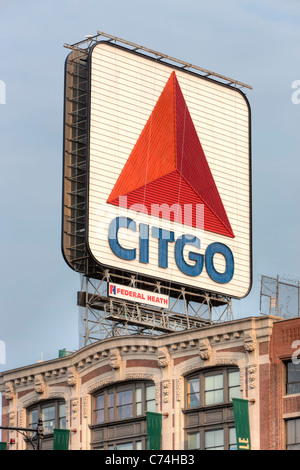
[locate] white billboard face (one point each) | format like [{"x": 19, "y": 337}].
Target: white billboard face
[{"x": 169, "y": 184}]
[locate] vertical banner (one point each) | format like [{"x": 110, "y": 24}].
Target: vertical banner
[
  {"x": 3, "y": 445},
  {"x": 61, "y": 439},
  {"x": 242, "y": 426},
  {"x": 154, "y": 421}
]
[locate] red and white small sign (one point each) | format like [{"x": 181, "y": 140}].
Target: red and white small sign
[{"x": 138, "y": 295}]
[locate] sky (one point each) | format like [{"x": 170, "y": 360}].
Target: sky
[{"x": 255, "y": 42}]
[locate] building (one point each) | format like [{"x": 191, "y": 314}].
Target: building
[{"x": 102, "y": 391}]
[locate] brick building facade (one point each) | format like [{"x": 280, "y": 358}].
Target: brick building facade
[{"x": 102, "y": 391}]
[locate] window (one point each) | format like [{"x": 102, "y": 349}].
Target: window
[
  {"x": 212, "y": 388},
  {"x": 209, "y": 419},
  {"x": 214, "y": 440},
  {"x": 293, "y": 434},
  {"x": 193, "y": 392},
  {"x": 123, "y": 402},
  {"x": 53, "y": 415},
  {"x": 119, "y": 416},
  {"x": 292, "y": 378}
]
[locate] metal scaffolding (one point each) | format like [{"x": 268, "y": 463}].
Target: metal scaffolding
[{"x": 104, "y": 317}]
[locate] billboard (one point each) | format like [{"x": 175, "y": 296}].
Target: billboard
[{"x": 168, "y": 173}]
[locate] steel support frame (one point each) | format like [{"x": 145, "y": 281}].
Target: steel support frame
[{"x": 103, "y": 317}]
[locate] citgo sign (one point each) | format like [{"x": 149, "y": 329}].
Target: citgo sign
[{"x": 169, "y": 183}]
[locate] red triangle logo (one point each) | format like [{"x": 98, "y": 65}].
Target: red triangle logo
[{"x": 167, "y": 173}]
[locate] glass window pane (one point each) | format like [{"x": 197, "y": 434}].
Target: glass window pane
[
  {"x": 234, "y": 378},
  {"x": 138, "y": 445},
  {"x": 100, "y": 402},
  {"x": 150, "y": 393},
  {"x": 232, "y": 439},
  {"x": 62, "y": 416},
  {"x": 99, "y": 411},
  {"x": 214, "y": 440},
  {"x": 48, "y": 417},
  {"x": 293, "y": 378},
  {"x": 213, "y": 389},
  {"x": 193, "y": 400},
  {"x": 124, "y": 398},
  {"x": 193, "y": 385},
  {"x": 138, "y": 395},
  {"x": 193, "y": 393},
  {"x": 127, "y": 446},
  {"x": 234, "y": 392},
  {"x": 214, "y": 397},
  {"x": 111, "y": 411},
  {"x": 125, "y": 404},
  {"x": 33, "y": 419},
  {"x": 213, "y": 382},
  {"x": 151, "y": 406},
  {"x": 194, "y": 441}
]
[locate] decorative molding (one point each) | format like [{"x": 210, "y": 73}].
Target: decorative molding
[
  {"x": 22, "y": 418},
  {"x": 205, "y": 349},
  {"x": 249, "y": 343},
  {"x": 72, "y": 377},
  {"x": 115, "y": 360},
  {"x": 9, "y": 391},
  {"x": 252, "y": 376},
  {"x": 85, "y": 407},
  {"x": 92, "y": 388},
  {"x": 39, "y": 384},
  {"x": 178, "y": 387},
  {"x": 163, "y": 358},
  {"x": 227, "y": 362},
  {"x": 138, "y": 377},
  {"x": 166, "y": 385},
  {"x": 12, "y": 419},
  {"x": 56, "y": 395},
  {"x": 74, "y": 405},
  {"x": 157, "y": 393},
  {"x": 242, "y": 378}
]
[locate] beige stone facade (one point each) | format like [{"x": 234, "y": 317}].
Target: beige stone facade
[{"x": 166, "y": 361}]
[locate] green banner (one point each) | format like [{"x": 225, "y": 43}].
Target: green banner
[
  {"x": 61, "y": 439},
  {"x": 242, "y": 427},
  {"x": 154, "y": 421},
  {"x": 3, "y": 445}
]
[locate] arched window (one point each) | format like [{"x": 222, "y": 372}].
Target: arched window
[
  {"x": 119, "y": 416},
  {"x": 209, "y": 420},
  {"x": 53, "y": 415}
]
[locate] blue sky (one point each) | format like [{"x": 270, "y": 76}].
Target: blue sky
[{"x": 252, "y": 41}]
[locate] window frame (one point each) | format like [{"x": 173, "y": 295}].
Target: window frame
[
  {"x": 56, "y": 403},
  {"x": 209, "y": 373},
  {"x": 138, "y": 415},
  {"x": 226, "y": 407},
  {"x": 288, "y": 440},
  {"x": 287, "y": 383},
  {"x": 119, "y": 388}
]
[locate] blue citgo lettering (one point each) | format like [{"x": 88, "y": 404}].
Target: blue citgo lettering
[
  {"x": 212, "y": 249},
  {"x": 164, "y": 237},
  {"x": 189, "y": 270},
  {"x": 116, "y": 248},
  {"x": 144, "y": 243}
]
